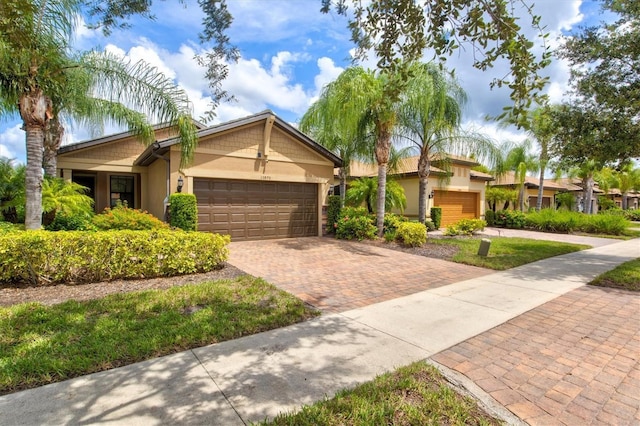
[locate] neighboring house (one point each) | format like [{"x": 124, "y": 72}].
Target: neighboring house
[
  {"x": 549, "y": 189},
  {"x": 574, "y": 186},
  {"x": 459, "y": 192},
  {"x": 257, "y": 177}
]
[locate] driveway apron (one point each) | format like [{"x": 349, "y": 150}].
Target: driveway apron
[{"x": 336, "y": 276}]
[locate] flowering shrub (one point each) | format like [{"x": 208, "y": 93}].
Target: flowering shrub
[
  {"x": 412, "y": 234},
  {"x": 122, "y": 217},
  {"x": 355, "y": 222},
  {"x": 465, "y": 227}
]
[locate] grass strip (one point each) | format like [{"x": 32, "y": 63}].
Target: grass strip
[
  {"x": 625, "y": 276},
  {"x": 413, "y": 395},
  {"x": 45, "y": 344},
  {"x": 506, "y": 252}
]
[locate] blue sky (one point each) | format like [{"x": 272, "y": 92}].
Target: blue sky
[{"x": 289, "y": 51}]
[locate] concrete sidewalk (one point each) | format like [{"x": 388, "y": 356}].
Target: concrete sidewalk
[{"x": 258, "y": 376}]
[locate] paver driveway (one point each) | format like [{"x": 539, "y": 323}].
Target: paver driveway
[
  {"x": 336, "y": 276},
  {"x": 572, "y": 361}
]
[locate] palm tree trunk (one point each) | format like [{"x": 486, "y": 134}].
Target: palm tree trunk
[
  {"x": 423, "y": 174},
  {"x": 540, "y": 188},
  {"x": 33, "y": 180},
  {"x": 382, "y": 194},
  {"x": 588, "y": 194},
  {"x": 342, "y": 174},
  {"x": 35, "y": 111},
  {"x": 382, "y": 151},
  {"x": 52, "y": 140},
  {"x": 522, "y": 198}
]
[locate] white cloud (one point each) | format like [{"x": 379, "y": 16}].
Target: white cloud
[{"x": 12, "y": 143}]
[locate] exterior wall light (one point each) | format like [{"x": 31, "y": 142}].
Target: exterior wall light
[
  {"x": 180, "y": 183},
  {"x": 431, "y": 194}
]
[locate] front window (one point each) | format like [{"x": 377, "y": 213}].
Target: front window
[{"x": 122, "y": 189}]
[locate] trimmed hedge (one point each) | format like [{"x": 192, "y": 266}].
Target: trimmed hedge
[
  {"x": 333, "y": 212},
  {"x": 436, "y": 216},
  {"x": 184, "y": 211},
  {"x": 550, "y": 220},
  {"x": 122, "y": 217},
  {"x": 44, "y": 258}
]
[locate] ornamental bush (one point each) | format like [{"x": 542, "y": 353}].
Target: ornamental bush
[
  {"x": 45, "y": 258},
  {"x": 465, "y": 227},
  {"x": 355, "y": 222},
  {"x": 632, "y": 215},
  {"x": 490, "y": 217},
  {"x": 436, "y": 216},
  {"x": 411, "y": 234},
  {"x": 548, "y": 220},
  {"x": 71, "y": 222},
  {"x": 333, "y": 212},
  {"x": 122, "y": 217},
  {"x": 184, "y": 211},
  {"x": 512, "y": 219},
  {"x": 392, "y": 221}
]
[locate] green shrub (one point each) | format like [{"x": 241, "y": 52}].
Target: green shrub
[
  {"x": 465, "y": 227},
  {"x": 333, "y": 212},
  {"x": 71, "y": 222},
  {"x": 606, "y": 203},
  {"x": 6, "y": 227},
  {"x": 390, "y": 236},
  {"x": 632, "y": 215},
  {"x": 490, "y": 217},
  {"x": 512, "y": 219},
  {"x": 616, "y": 211},
  {"x": 44, "y": 258},
  {"x": 603, "y": 224},
  {"x": 411, "y": 234},
  {"x": 549, "y": 220},
  {"x": 122, "y": 217},
  {"x": 436, "y": 216},
  {"x": 355, "y": 222},
  {"x": 183, "y": 211},
  {"x": 430, "y": 226},
  {"x": 564, "y": 221},
  {"x": 392, "y": 221},
  {"x": 566, "y": 200}
]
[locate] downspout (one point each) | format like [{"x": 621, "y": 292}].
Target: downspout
[{"x": 155, "y": 147}]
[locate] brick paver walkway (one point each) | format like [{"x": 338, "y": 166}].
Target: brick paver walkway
[
  {"x": 336, "y": 276},
  {"x": 572, "y": 361}
]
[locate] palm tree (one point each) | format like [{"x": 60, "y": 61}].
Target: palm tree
[
  {"x": 586, "y": 172},
  {"x": 541, "y": 128},
  {"x": 520, "y": 161},
  {"x": 365, "y": 190},
  {"x": 68, "y": 198},
  {"x": 320, "y": 121},
  {"x": 627, "y": 178},
  {"x": 429, "y": 118},
  {"x": 38, "y": 74}
]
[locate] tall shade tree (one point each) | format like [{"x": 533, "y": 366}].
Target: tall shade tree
[
  {"x": 39, "y": 74},
  {"x": 429, "y": 119}
]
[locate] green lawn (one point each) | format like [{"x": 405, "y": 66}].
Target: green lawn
[
  {"x": 505, "y": 252},
  {"x": 412, "y": 395},
  {"x": 44, "y": 344},
  {"x": 625, "y": 276}
]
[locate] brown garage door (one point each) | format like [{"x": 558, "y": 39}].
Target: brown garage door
[
  {"x": 456, "y": 206},
  {"x": 254, "y": 210}
]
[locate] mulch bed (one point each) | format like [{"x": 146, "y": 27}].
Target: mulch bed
[{"x": 50, "y": 295}]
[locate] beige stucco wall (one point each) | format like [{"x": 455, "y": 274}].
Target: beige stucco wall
[
  {"x": 156, "y": 189},
  {"x": 235, "y": 156},
  {"x": 460, "y": 181}
]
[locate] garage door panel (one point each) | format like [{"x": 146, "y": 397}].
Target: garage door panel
[
  {"x": 256, "y": 210},
  {"x": 456, "y": 206}
]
